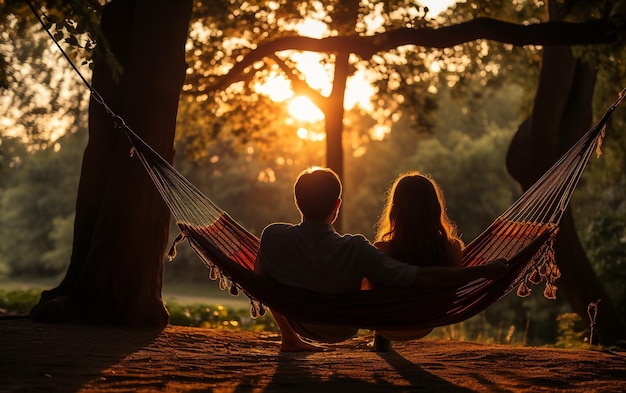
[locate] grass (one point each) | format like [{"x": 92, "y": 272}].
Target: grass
[
  {"x": 18, "y": 301},
  {"x": 176, "y": 292},
  {"x": 205, "y": 305},
  {"x": 205, "y": 292},
  {"x": 189, "y": 304}
]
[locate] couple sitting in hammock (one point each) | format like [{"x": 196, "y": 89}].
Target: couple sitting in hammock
[{"x": 416, "y": 246}]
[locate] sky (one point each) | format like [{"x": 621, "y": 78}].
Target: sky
[{"x": 436, "y": 6}]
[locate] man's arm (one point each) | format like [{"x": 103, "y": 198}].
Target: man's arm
[{"x": 442, "y": 276}]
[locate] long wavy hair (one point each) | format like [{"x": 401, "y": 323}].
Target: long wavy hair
[{"x": 414, "y": 222}]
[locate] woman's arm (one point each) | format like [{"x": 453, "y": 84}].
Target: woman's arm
[{"x": 441, "y": 276}]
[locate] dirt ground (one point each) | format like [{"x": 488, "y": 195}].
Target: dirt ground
[{"x": 72, "y": 358}]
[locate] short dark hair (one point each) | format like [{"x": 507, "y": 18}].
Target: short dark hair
[{"x": 316, "y": 191}]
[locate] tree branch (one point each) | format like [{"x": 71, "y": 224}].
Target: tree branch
[
  {"x": 548, "y": 33},
  {"x": 298, "y": 85}
]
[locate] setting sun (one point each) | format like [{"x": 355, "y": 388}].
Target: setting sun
[
  {"x": 303, "y": 109},
  {"x": 277, "y": 87},
  {"x": 318, "y": 74}
]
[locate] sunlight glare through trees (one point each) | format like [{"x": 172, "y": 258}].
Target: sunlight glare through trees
[{"x": 359, "y": 91}]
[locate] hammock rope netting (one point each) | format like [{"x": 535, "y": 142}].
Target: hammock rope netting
[{"x": 524, "y": 235}]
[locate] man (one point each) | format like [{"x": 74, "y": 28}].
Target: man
[{"x": 312, "y": 255}]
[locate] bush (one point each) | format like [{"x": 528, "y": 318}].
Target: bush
[
  {"x": 217, "y": 317},
  {"x": 18, "y": 301},
  {"x": 572, "y": 333},
  {"x": 21, "y": 301}
]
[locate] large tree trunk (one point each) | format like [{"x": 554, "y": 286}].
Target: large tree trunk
[
  {"x": 121, "y": 226},
  {"x": 562, "y": 112}
]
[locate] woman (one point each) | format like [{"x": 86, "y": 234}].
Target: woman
[{"x": 414, "y": 226}]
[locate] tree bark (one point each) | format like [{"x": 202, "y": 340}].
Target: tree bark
[
  {"x": 333, "y": 114},
  {"x": 562, "y": 112},
  {"x": 121, "y": 225}
]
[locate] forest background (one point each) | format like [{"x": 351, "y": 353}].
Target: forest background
[{"x": 462, "y": 142}]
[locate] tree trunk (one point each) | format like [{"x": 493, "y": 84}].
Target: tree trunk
[
  {"x": 562, "y": 112},
  {"x": 334, "y": 112},
  {"x": 121, "y": 225}
]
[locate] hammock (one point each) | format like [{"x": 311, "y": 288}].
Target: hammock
[{"x": 524, "y": 235}]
